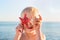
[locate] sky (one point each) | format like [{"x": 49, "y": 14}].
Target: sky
[{"x": 49, "y": 9}]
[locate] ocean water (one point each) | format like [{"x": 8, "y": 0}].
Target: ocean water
[{"x": 50, "y": 29}]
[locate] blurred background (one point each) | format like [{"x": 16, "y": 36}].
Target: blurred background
[{"x": 10, "y": 12}]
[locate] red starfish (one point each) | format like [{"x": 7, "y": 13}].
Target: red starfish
[{"x": 25, "y": 20}]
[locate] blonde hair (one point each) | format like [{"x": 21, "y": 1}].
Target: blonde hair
[{"x": 30, "y": 10}]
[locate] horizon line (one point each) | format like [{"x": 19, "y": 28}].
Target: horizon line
[{"x": 18, "y": 21}]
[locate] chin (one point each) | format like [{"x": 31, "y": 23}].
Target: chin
[{"x": 31, "y": 32}]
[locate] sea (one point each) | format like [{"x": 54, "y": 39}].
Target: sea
[{"x": 50, "y": 29}]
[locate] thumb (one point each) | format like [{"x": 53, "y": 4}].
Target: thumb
[{"x": 40, "y": 17}]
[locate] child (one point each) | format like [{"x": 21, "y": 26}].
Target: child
[{"x": 32, "y": 29}]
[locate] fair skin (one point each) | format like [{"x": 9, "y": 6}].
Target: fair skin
[{"x": 30, "y": 34}]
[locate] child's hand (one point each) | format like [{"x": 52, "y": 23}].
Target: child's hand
[
  {"x": 19, "y": 29},
  {"x": 37, "y": 22}
]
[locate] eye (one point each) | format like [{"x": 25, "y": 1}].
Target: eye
[
  {"x": 37, "y": 20},
  {"x": 36, "y": 24}
]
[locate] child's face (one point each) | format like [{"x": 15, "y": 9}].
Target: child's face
[{"x": 35, "y": 20}]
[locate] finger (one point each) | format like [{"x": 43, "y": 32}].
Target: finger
[
  {"x": 40, "y": 17},
  {"x": 37, "y": 19},
  {"x": 37, "y": 22},
  {"x": 19, "y": 28}
]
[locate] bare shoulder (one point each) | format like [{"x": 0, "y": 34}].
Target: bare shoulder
[{"x": 43, "y": 37}]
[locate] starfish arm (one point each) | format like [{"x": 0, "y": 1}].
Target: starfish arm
[{"x": 25, "y": 20}]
